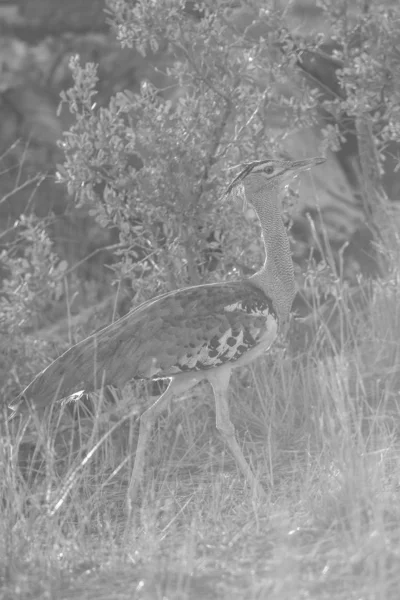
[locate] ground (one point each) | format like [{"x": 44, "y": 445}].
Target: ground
[{"x": 322, "y": 435}]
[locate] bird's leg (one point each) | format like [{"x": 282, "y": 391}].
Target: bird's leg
[
  {"x": 147, "y": 419},
  {"x": 220, "y": 382}
]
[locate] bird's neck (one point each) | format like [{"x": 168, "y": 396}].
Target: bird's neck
[{"x": 276, "y": 277}]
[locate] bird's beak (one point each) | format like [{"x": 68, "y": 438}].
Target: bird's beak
[{"x": 303, "y": 165}]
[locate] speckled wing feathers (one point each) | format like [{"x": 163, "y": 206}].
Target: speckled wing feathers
[{"x": 192, "y": 329}]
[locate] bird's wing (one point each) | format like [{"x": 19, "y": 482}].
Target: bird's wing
[{"x": 187, "y": 330}]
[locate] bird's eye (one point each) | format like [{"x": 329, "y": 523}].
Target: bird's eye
[{"x": 269, "y": 170}]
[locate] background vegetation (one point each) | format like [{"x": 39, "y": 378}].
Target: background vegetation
[{"x": 159, "y": 102}]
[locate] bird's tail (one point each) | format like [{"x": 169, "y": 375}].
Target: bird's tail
[{"x": 70, "y": 375}]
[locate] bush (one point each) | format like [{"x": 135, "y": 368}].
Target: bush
[
  {"x": 154, "y": 163},
  {"x": 33, "y": 281}
]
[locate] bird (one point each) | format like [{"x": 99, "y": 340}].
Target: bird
[{"x": 191, "y": 334}]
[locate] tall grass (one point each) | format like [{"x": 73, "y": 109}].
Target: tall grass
[{"x": 321, "y": 429}]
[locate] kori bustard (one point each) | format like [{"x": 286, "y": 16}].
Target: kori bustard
[{"x": 192, "y": 334}]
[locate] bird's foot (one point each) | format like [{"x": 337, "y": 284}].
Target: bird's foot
[{"x": 132, "y": 507}]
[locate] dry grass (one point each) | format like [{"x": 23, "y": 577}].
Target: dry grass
[{"x": 322, "y": 432}]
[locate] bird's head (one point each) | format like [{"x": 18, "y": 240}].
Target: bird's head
[{"x": 270, "y": 176}]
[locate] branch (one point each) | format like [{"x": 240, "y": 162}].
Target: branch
[{"x": 37, "y": 178}]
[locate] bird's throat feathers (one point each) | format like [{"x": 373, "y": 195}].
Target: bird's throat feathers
[{"x": 276, "y": 277}]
